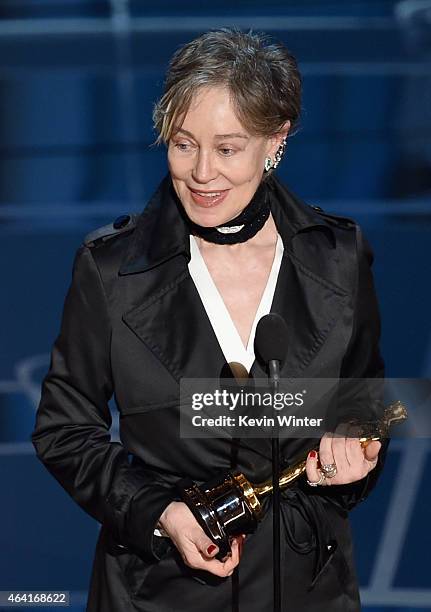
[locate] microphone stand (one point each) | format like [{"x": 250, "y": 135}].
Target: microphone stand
[{"x": 274, "y": 379}]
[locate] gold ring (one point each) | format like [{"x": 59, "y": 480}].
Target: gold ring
[{"x": 319, "y": 482}]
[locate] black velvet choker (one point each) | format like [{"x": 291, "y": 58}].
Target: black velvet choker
[{"x": 250, "y": 220}]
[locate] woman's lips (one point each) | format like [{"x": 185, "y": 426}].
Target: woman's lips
[{"x": 208, "y": 199}]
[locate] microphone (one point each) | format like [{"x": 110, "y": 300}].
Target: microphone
[{"x": 270, "y": 346}]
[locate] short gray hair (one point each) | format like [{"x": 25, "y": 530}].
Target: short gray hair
[{"x": 262, "y": 77}]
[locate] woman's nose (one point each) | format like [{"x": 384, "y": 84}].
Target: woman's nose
[{"x": 204, "y": 169}]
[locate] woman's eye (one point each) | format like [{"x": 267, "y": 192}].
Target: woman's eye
[
  {"x": 182, "y": 146},
  {"x": 226, "y": 151}
]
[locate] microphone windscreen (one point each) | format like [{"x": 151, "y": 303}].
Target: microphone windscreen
[{"x": 270, "y": 341}]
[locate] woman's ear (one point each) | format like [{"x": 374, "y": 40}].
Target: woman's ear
[
  {"x": 282, "y": 134},
  {"x": 277, "y": 139}
]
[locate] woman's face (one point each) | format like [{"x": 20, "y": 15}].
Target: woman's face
[{"x": 215, "y": 164}]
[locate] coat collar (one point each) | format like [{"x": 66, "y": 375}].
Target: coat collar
[
  {"x": 292, "y": 216},
  {"x": 162, "y": 231}
]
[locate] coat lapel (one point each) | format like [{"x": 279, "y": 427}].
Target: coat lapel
[
  {"x": 310, "y": 309},
  {"x": 309, "y": 304},
  {"x": 175, "y": 327},
  {"x": 171, "y": 320}
]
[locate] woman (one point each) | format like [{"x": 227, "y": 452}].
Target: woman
[{"x": 178, "y": 294}]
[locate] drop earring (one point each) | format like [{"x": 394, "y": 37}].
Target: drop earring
[
  {"x": 268, "y": 164},
  {"x": 280, "y": 152}
]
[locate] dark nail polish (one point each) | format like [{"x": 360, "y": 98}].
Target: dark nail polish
[
  {"x": 312, "y": 454},
  {"x": 211, "y": 548}
]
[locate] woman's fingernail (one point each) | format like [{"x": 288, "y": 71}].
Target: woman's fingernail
[
  {"x": 211, "y": 548},
  {"x": 312, "y": 454}
]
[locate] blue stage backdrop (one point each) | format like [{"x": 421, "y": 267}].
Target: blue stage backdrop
[{"x": 77, "y": 82}]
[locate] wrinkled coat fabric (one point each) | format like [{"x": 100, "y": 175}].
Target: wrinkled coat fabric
[{"x": 133, "y": 325}]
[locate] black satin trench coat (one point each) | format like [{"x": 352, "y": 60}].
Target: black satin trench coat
[{"x": 133, "y": 325}]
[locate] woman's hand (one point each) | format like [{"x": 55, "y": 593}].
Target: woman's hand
[
  {"x": 196, "y": 548},
  {"x": 340, "y": 449}
]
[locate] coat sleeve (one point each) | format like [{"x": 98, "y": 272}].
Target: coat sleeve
[
  {"x": 71, "y": 434},
  {"x": 361, "y": 361}
]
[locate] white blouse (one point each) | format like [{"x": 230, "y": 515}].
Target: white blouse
[{"x": 224, "y": 328}]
